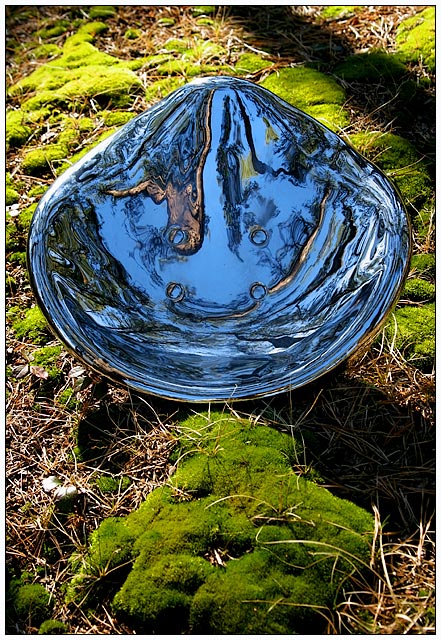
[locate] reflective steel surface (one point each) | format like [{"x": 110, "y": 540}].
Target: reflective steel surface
[{"x": 220, "y": 245}]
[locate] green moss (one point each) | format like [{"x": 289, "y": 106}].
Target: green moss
[
  {"x": 424, "y": 264},
  {"x": 11, "y": 282},
  {"x": 31, "y": 603},
  {"x": 260, "y": 587},
  {"x": 81, "y": 72},
  {"x": 332, "y": 116},
  {"x": 25, "y": 217},
  {"x": 53, "y": 627},
  {"x": 166, "y": 22},
  {"x": 92, "y": 28},
  {"x": 106, "y": 484},
  {"x": 311, "y": 91},
  {"x": 178, "y": 66},
  {"x": 108, "y": 86},
  {"x": 105, "y": 11},
  {"x": 161, "y": 88},
  {"x": 43, "y": 100},
  {"x": 250, "y": 63},
  {"x": 304, "y": 87},
  {"x": 225, "y": 532},
  {"x": 77, "y": 156},
  {"x": 335, "y": 12},
  {"x": 53, "y": 32},
  {"x": 37, "y": 116},
  {"x": 11, "y": 196},
  {"x": 132, "y": 34},
  {"x": 177, "y": 45},
  {"x": 47, "y": 358},
  {"x": 165, "y": 594},
  {"x": 69, "y": 136},
  {"x": 117, "y": 118},
  {"x": 17, "y": 129},
  {"x": 30, "y": 324},
  {"x": 373, "y": 66},
  {"x": 12, "y": 236},
  {"x": 413, "y": 331},
  {"x": 399, "y": 159},
  {"x": 205, "y": 22},
  {"x": 85, "y": 124},
  {"x": 79, "y": 52},
  {"x": 203, "y": 10},
  {"x": 37, "y": 191},
  {"x": 37, "y": 162},
  {"x": 18, "y": 256},
  {"x": 205, "y": 51},
  {"x": 98, "y": 572},
  {"x": 419, "y": 290},
  {"x": 46, "y": 51},
  {"x": 415, "y": 38},
  {"x": 156, "y": 59},
  {"x": 67, "y": 399},
  {"x": 10, "y": 181}
]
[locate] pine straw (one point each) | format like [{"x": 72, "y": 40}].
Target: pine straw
[
  {"x": 42, "y": 532},
  {"x": 368, "y": 428},
  {"x": 401, "y": 597}
]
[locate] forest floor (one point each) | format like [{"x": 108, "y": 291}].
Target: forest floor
[{"x": 370, "y": 422}]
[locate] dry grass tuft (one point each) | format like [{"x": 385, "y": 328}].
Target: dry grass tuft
[{"x": 400, "y": 599}]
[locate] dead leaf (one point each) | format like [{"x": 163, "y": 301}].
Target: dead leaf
[
  {"x": 20, "y": 371},
  {"x": 39, "y": 372},
  {"x": 75, "y": 372}
]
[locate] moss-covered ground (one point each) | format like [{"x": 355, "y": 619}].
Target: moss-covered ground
[
  {"x": 235, "y": 543},
  {"x": 74, "y": 75}
]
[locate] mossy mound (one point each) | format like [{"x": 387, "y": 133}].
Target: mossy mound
[
  {"x": 419, "y": 290},
  {"x": 37, "y": 161},
  {"x": 161, "y": 88},
  {"x": 30, "y": 324},
  {"x": 415, "y": 38},
  {"x": 235, "y": 543},
  {"x": 25, "y": 216},
  {"x": 402, "y": 163},
  {"x": 311, "y": 91},
  {"x": 203, "y": 10},
  {"x": 80, "y": 72},
  {"x": 188, "y": 59},
  {"x": 17, "y": 129},
  {"x": 54, "y": 31},
  {"x": 29, "y": 602},
  {"x": 116, "y": 118},
  {"x": 424, "y": 264},
  {"x": 106, "y": 484},
  {"x": 373, "y": 66},
  {"x": 46, "y": 51},
  {"x": 250, "y": 63},
  {"x": 412, "y": 330},
  {"x": 11, "y": 194},
  {"x": 132, "y": 34},
  {"x": 47, "y": 358},
  {"x": 104, "y": 11},
  {"x": 339, "y": 11},
  {"x": 53, "y": 627}
]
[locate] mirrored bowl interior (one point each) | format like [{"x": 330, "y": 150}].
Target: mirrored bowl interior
[{"x": 221, "y": 245}]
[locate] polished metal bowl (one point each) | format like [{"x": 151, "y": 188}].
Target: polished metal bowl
[{"x": 221, "y": 245}]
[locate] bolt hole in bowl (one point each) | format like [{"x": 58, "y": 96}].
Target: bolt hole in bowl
[{"x": 221, "y": 245}]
